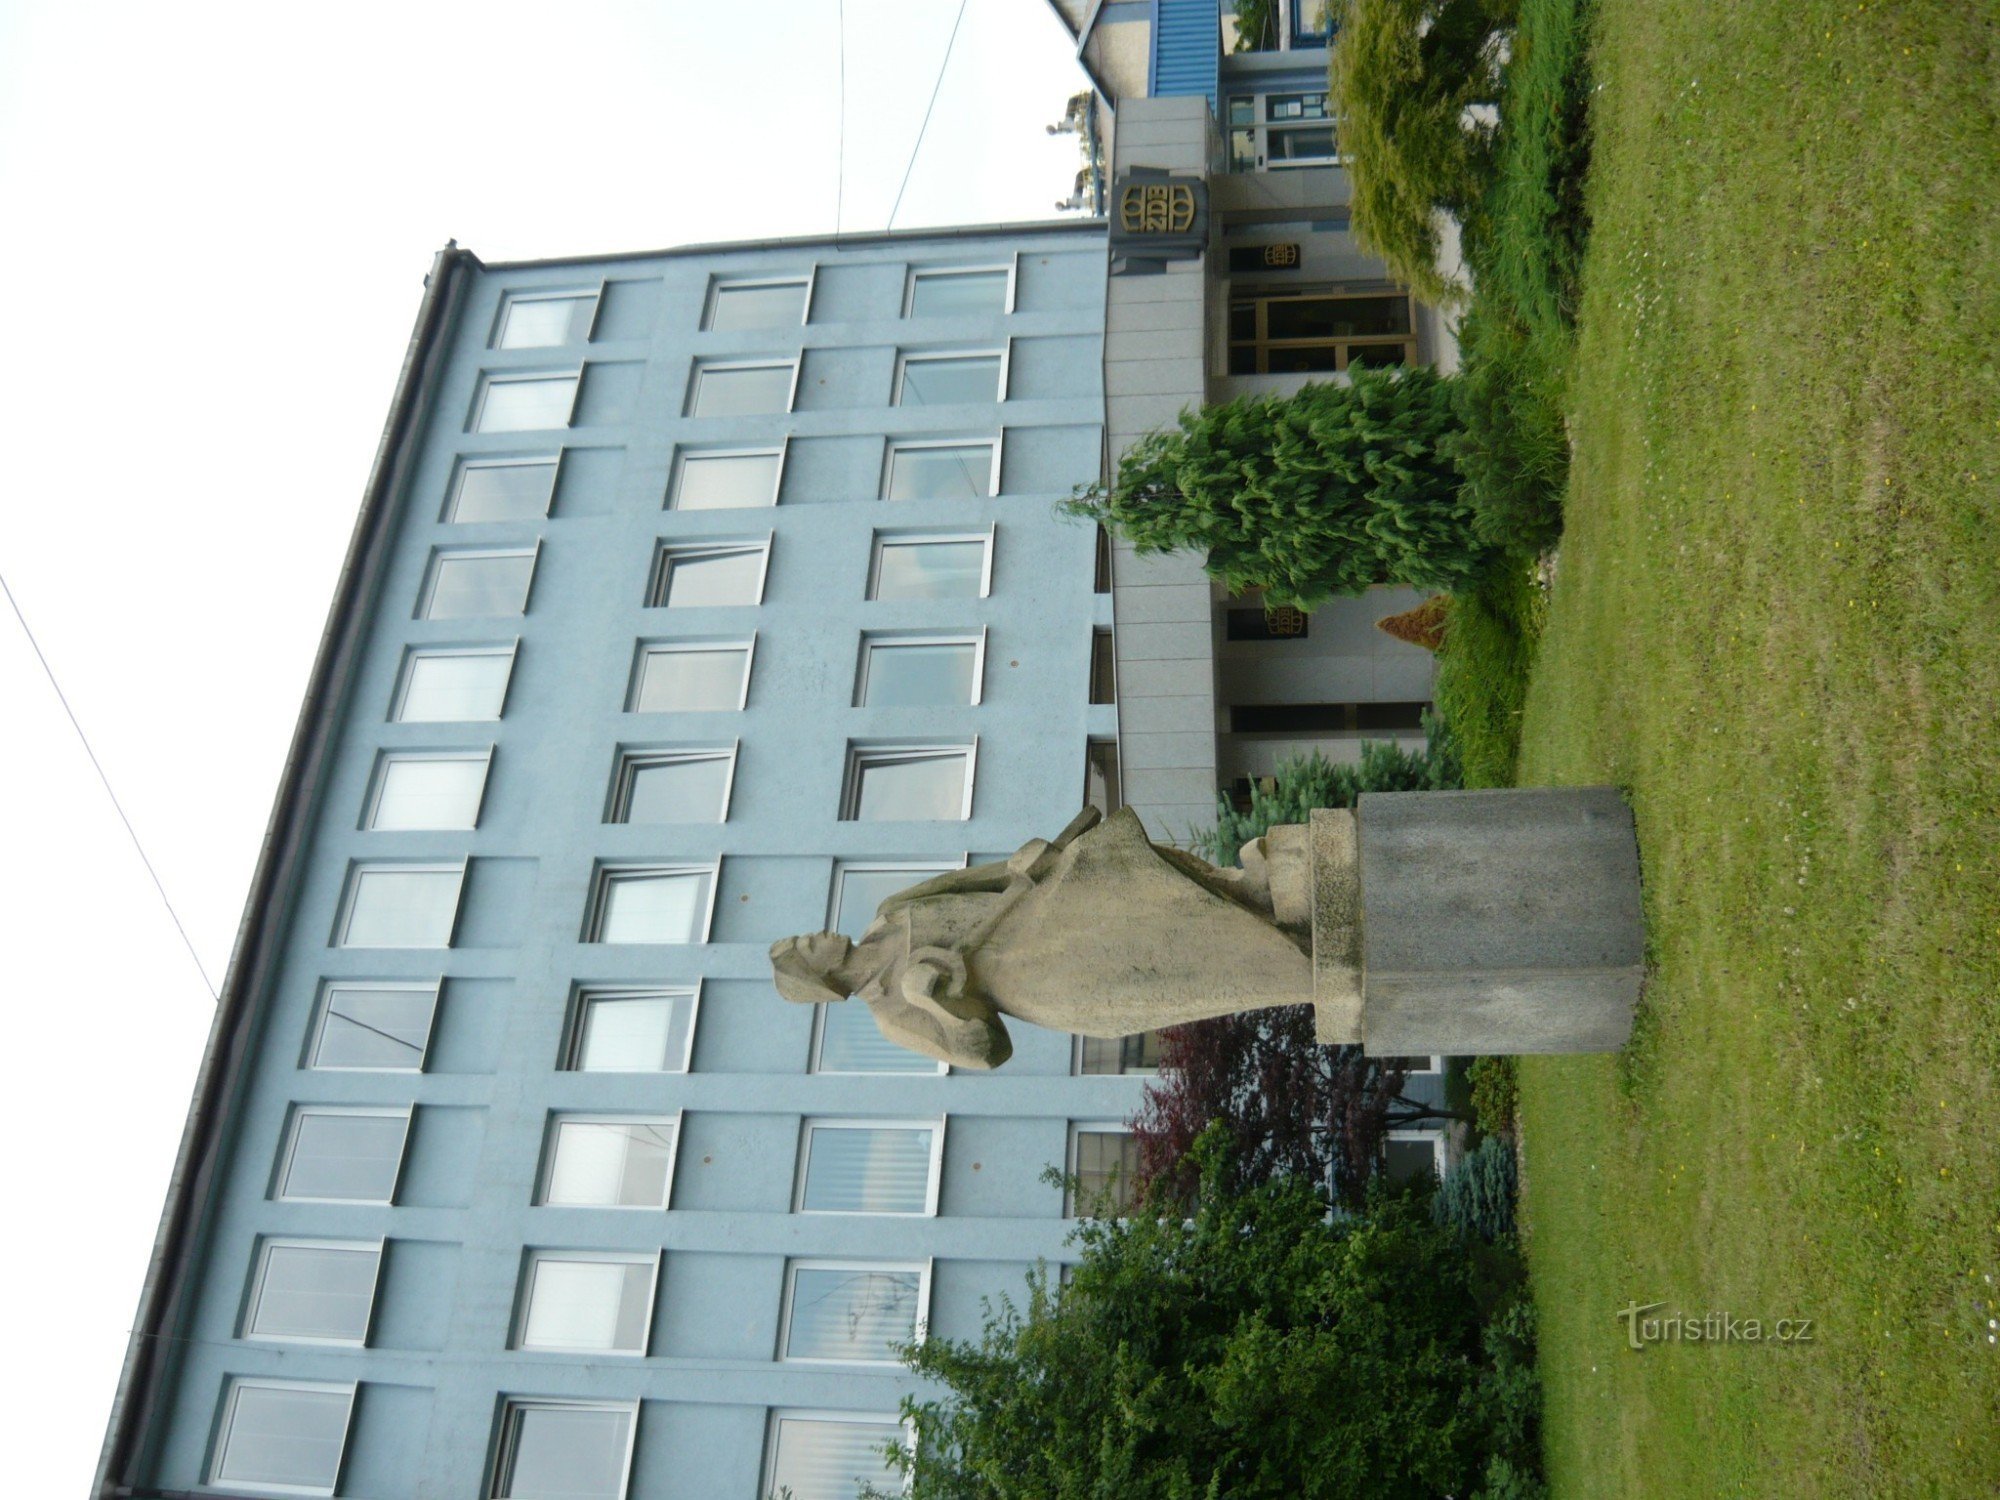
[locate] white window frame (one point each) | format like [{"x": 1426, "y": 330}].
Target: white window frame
[
  {"x": 996, "y": 442},
  {"x": 359, "y": 867},
  {"x": 921, "y": 868},
  {"x": 506, "y": 1436},
  {"x": 778, "y": 1414},
  {"x": 260, "y": 1264},
  {"x": 225, "y": 1423},
  {"x": 1437, "y": 1143},
  {"x": 747, "y": 644},
  {"x": 433, "y": 988},
  {"x": 808, "y": 280},
  {"x": 870, "y": 639},
  {"x": 924, "y": 356},
  {"x": 547, "y": 294},
  {"x": 1076, "y": 1062},
  {"x": 683, "y": 452},
  {"x": 632, "y": 758},
  {"x": 532, "y": 551},
  {"x": 378, "y": 781},
  {"x": 896, "y": 538},
  {"x": 1011, "y": 266},
  {"x": 862, "y": 754},
  {"x": 822, "y": 1263},
  {"x": 811, "y": 1123},
  {"x": 396, "y": 704},
  {"x": 579, "y": 1004},
  {"x": 551, "y": 461},
  {"x": 607, "y": 874},
  {"x": 592, "y": 1117},
  {"x": 1433, "y": 1066},
  {"x": 490, "y": 378},
  {"x": 670, "y": 551},
  {"x": 524, "y": 1300},
  {"x": 748, "y": 362},
  {"x": 1078, "y": 1129},
  {"x": 290, "y": 1147}
]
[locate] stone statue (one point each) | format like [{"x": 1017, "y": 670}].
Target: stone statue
[
  {"x": 1453, "y": 923},
  {"x": 1098, "y": 931}
]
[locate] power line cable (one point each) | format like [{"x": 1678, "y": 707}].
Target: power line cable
[
  {"x": 840, "y": 168},
  {"x": 927, "y": 115},
  {"x": 116, "y": 805}
]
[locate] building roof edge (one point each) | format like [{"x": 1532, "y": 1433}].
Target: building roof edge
[
  {"x": 264, "y": 912},
  {"x": 1077, "y": 225}
]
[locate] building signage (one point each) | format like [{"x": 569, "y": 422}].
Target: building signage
[{"x": 1155, "y": 218}]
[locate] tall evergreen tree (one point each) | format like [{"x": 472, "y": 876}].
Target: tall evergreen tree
[{"x": 1329, "y": 491}]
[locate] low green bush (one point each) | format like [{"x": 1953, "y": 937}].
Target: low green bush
[
  {"x": 1305, "y": 782},
  {"x": 1495, "y": 1085},
  {"x": 1513, "y": 446},
  {"x": 1482, "y": 678},
  {"x": 1478, "y": 1193}
]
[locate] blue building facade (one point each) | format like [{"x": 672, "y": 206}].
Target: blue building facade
[{"x": 698, "y": 599}]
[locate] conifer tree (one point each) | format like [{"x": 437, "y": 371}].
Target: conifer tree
[{"x": 1325, "y": 492}]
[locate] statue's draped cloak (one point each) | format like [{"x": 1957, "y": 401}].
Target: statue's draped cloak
[{"x": 1110, "y": 935}]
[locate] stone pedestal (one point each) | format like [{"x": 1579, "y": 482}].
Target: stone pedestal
[{"x": 1501, "y": 922}]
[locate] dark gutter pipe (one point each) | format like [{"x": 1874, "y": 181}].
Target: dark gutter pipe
[{"x": 143, "y": 1380}]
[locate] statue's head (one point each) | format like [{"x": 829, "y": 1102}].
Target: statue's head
[{"x": 802, "y": 967}]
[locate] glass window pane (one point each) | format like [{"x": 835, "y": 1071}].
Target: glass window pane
[
  {"x": 851, "y": 1042},
  {"x": 868, "y": 1170},
  {"x": 368, "y": 1027},
  {"x": 950, "y": 380},
  {"x": 1302, "y": 143},
  {"x": 918, "y": 674},
  {"x": 348, "y": 1158},
  {"x": 597, "y": 1305},
  {"x": 278, "y": 1434},
  {"x": 851, "y": 1312},
  {"x": 1376, "y": 354},
  {"x": 544, "y": 322},
  {"x": 958, "y": 293},
  {"x": 1281, "y": 107},
  {"x": 564, "y": 1453},
  {"x": 696, "y": 578},
  {"x": 1107, "y": 1161},
  {"x": 633, "y": 1033},
  {"x": 401, "y": 909},
  {"x": 817, "y": 1460},
  {"x": 691, "y": 681},
  {"x": 504, "y": 492},
  {"x": 444, "y": 686},
  {"x": 466, "y": 587},
  {"x": 930, "y": 570},
  {"x": 742, "y": 391},
  {"x": 315, "y": 1291},
  {"x": 678, "y": 789},
  {"x": 963, "y": 471},
  {"x": 654, "y": 908},
  {"x": 1139, "y": 1053},
  {"x": 527, "y": 405},
  {"x": 910, "y": 788},
  {"x": 429, "y": 793},
  {"x": 778, "y": 305},
  {"x": 610, "y": 1163},
  {"x": 1409, "y": 1160},
  {"x": 725, "y": 481}
]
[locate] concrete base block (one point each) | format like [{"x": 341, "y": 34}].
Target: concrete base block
[
  {"x": 1336, "y": 925},
  {"x": 1499, "y": 921}
]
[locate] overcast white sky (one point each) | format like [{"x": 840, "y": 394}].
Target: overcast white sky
[{"x": 218, "y": 221}]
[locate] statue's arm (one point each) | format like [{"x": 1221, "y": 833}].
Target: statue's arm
[{"x": 932, "y": 999}]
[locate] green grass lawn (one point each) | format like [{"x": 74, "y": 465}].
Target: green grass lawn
[{"x": 1777, "y": 623}]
